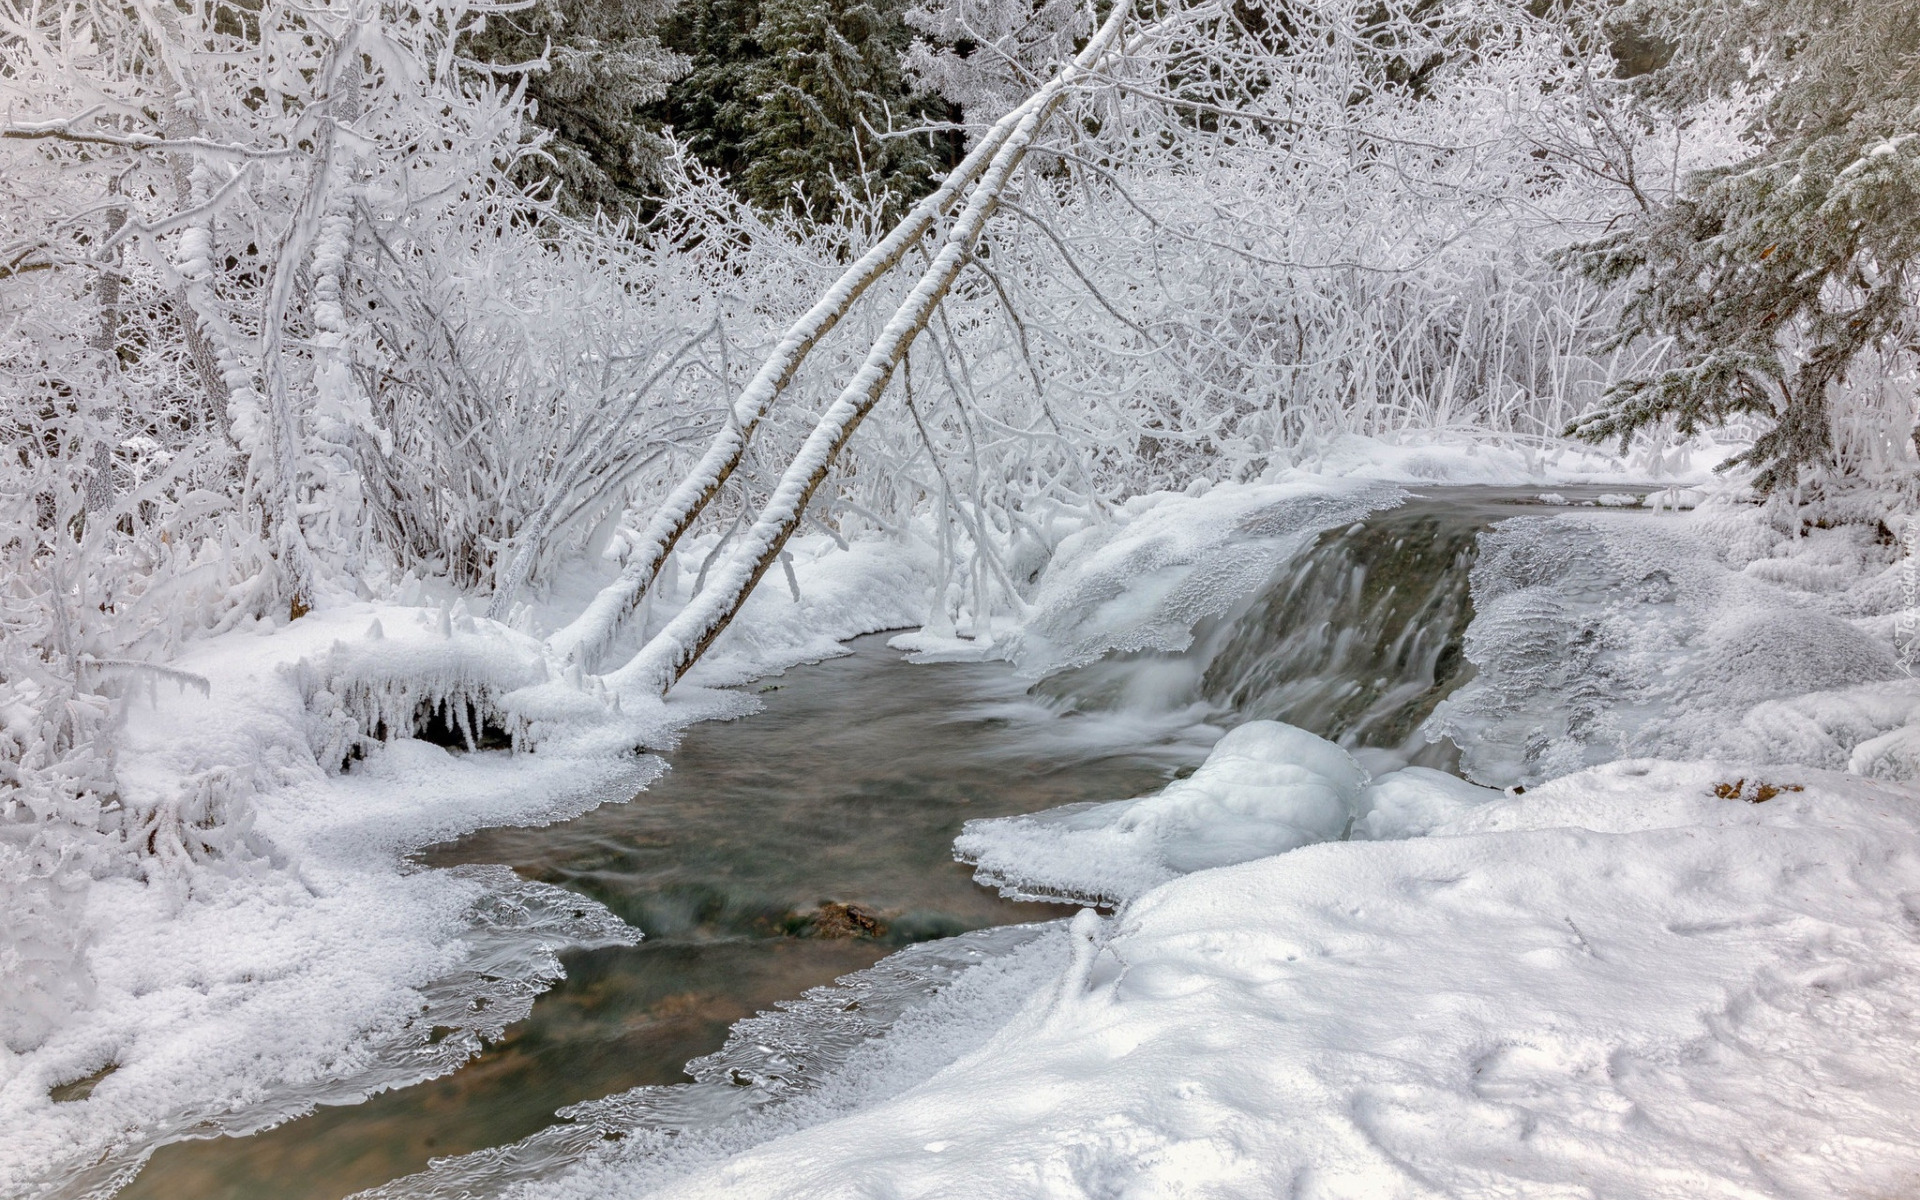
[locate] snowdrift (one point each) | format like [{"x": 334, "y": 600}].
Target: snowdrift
[
  {"x": 1266, "y": 788},
  {"x": 1621, "y": 984}
]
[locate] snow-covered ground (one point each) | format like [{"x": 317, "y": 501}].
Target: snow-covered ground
[
  {"x": 1620, "y": 984},
  {"x": 298, "y": 958},
  {"x": 1690, "y": 975},
  {"x": 1475, "y": 994}
]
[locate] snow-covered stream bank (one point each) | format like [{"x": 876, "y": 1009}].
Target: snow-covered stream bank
[
  {"x": 1659, "y": 608},
  {"x": 296, "y": 957},
  {"x": 731, "y": 864},
  {"x": 1640, "y": 979}
]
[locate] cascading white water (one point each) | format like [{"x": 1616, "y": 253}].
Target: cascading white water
[{"x": 1357, "y": 638}]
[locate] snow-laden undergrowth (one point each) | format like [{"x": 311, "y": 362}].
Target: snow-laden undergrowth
[{"x": 302, "y": 960}]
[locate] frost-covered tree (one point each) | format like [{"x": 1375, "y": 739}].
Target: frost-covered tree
[
  {"x": 985, "y": 56},
  {"x": 277, "y": 328},
  {"x": 1774, "y": 275},
  {"x": 1244, "y": 242},
  {"x": 598, "y": 64},
  {"x": 710, "y": 108}
]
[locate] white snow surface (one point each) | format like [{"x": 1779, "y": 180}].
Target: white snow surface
[
  {"x": 306, "y": 961},
  {"x": 1713, "y": 633},
  {"x": 1265, "y": 789},
  {"x": 1167, "y": 560},
  {"x": 1413, "y": 802},
  {"x": 1619, "y": 984}
]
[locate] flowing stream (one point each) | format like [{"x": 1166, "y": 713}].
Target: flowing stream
[
  {"x": 814, "y": 838},
  {"x": 848, "y": 790}
]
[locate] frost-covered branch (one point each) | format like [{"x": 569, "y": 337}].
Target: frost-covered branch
[{"x": 668, "y": 655}]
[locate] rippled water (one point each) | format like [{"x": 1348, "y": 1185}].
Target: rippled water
[{"x": 848, "y": 789}]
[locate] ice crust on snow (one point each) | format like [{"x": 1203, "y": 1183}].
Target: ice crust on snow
[
  {"x": 1266, "y": 788},
  {"x": 1618, "y": 985},
  {"x": 1681, "y": 636},
  {"x": 867, "y": 1037}
]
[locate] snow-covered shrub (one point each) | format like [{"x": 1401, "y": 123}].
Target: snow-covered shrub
[{"x": 274, "y": 330}]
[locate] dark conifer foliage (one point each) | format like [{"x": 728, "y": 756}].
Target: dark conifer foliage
[
  {"x": 794, "y": 100},
  {"x": 1773, "y": 274},
  {"x": 604, "y": 65}
]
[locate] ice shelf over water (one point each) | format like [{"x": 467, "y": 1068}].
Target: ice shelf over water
[{"x": 1267, "y": 788}]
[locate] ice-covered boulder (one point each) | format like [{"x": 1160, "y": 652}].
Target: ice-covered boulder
[{"x": 1267, "y": 788}]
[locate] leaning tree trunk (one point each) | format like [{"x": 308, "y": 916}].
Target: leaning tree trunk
[
  {"x": 665, "y": 658},
  {"x": 586, "y": 637}
]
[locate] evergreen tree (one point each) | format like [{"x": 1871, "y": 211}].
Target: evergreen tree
[
  {"x": 605, "y": 66},
  {"x": 1773, "y": 274},
  {"x": 712, "y": 107},
  {"x": 791, "y": 97}
]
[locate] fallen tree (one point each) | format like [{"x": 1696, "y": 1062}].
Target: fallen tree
[
  {"x": 584, "y": 639},
  {"x": 667, "y": 656}
]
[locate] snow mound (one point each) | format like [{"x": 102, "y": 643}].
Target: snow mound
[
  {"x": 1265, "y": 789},
  {"x": 1413, "y": 802},
  {"x": 287, "y": 956},
  {"x": 431, "y": 666},
  {"x": 1170, "y": 560},
  {"x": 1621, "y": 984}
]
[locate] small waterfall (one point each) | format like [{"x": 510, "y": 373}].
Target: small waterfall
[{"x": 1357, "y": 638}]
